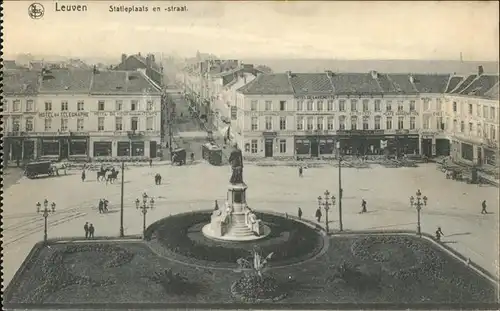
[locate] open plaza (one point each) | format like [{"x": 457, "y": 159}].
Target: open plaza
[{"x": 452, "y": 205}]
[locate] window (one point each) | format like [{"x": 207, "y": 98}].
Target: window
[
  {"x": 319, "y": 123},
  {"x": 471, "y": 128},
  {"x": 478, "y": 110},
  {"x": 329, "y": 123},
  {"x": 269, "y": 105},
  {"x": 5, "y": 105},
  {"x": 80, "y": 105},
  {"x": 454, "y": 106},
  {"x": 150, "y": 123},
  {"x": 118, "y": 124},
  {"x": 388, "y": 105},
  {"x": 377, "y": 105},
  {"x": 492, "y": 132},
  {"x": 426, "y": 122},
  {"x": 29, "y": 125},
  {"x": 439, "y": 123},
  {"x": 64, "y": 125},
  {"x": 342, "y": 123},
  {"x": 426, "y": 103},
  {"x": 400, "y": 105},
  {"x": 118, "y": 105},
  {"x": 300, "y": 105},
  {"x": 401, "y": 122},
  {"x": 439, "y": 104},
  {"x": 412, "y": 105},
  {"x": 455, "y": 126},
  {"x": 354, "y": 105},
  {"x": 253, "y": 105},
  {"x": 133, "y": 105},
  {"x": 100, "y": 105},
  {"x": 29, "y": 105},
  {"x": 365, "y": 104},
  {"x": 366, "y": 124},
  {"x": 282, "y": 105},
  {"x": 150, "y": 105},
  {"x": 485, "y": 112},
  {"x": 388, "y": 123},
  {"x": 79, "y": 124},
  {"x": 16, "y": 124},
  {"x": 283, "y": 145},
  {"x": 319, "y": 105},
  {"x": 492, "y": 113},
  {"x": 269, "y": 123},
  {"x": 48, "y": 124},
  {"x": 470, "y": 109},
  {"x": 253, "y": 146},
  {"x": 282, "y": 123},
  {"x": 329, "y": 105},
  {"x": 134, "y": 123},
  {"x": 64, "y": 105},
  {"x": 16, "y": 105},
  {"x": 255, "y": 123},
  {"x": 479, "y": 133},
  {"x": 462, "y": 126},
  {"x": 300, "y": 123},
  {"x": 100, "y": 124},
  {"x": 377, "y": 122},
  {"x": 309, "y": 123},
  {"x": 354, "y": 123},
  {"x": 412, "y": 123},
  {"x": 342, "y": 105},
  {"x": 48, "y": 106},
  {"x": 309, "y": 105}
]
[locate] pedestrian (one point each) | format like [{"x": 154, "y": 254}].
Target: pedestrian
[
  {"x": 363, "y": 205},
  {"x": 318, "y": 214},
  {"x": 91, "y": 231},
  {"x": 156, "y": 179},
  {"x": 216, "y": 205},
  {"x": 83, "y": 175},
  {"x": 300, "y": 171},
  {"x": 101, "y": 206},
  {"x": 483, "y": 210},
  {"x": 86, "y": 228},
  {"x": 439, "y": 234},
  {"x": 105, "y": 205},
  {"x": 150, "y": 162},
  {"x": 299, "y": 212},
  {"x": 159, "y": 179},
  {"x": 192, "y": 157}
]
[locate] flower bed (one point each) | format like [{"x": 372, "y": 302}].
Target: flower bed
[{"x": 253, "y": 288}]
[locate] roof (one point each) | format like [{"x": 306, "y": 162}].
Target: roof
[
  {"x": 10, "y": 64},
  {"x": 20, "y": 82},
  {"x": 462, "y": 85},
  {"x": 453, "y": 83},
  {"x": 493, "y": 93},
  {"x": 481, "y": 85},
  {"x": 142, "y": 59},
  {"x": 73, "y": 81},
  {"x": 268, "y": 84},
  {"x": 435, "y": 83},
  {"x": 402, "y": 83},
  {"x": 307, "y": 83},
  {"x": 356, "y": 83}
]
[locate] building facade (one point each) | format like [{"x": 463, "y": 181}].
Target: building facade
[
  {"x": 306, "y": 114},
  {"x": 81, "y": 114}
]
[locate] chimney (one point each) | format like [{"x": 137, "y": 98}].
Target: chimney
[
  {"x": 374, "y": 74},
  {"x": 480, "y": 70},
  {"x": 412, "y": 79},
  {"x": 124, "y": 57}
]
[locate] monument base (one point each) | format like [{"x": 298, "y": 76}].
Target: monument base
[{"x": 236, "y": 234}]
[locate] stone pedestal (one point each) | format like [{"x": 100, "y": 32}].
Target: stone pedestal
[{"x": 235, "y": 221}]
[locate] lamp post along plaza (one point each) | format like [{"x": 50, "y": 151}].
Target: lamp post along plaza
[
  {"x": 326, "y": 203},
  {"x": 45, "y": 213},
  {"x": 418, "y": 202},
  {"x": 144, "y": 208},
  {"x": 341, "y": 225}
]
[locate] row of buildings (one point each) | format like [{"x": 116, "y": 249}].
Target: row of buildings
[
  {"x": 73, "y": 113},
  {"x": 283, "y": 115}
]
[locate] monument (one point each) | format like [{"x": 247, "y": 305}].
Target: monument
[{"x": 235, "y": 221}]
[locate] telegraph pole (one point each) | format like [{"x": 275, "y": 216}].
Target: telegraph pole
[{"x": 122, "y": 232}]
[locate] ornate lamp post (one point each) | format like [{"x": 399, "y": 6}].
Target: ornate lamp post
[
  {"x": 341, "y": 226},
  {"x": 144, "y": 208},
  {"x": 418, "y": 202},
  {"x": 326, "y": 203},
  {"x": 45, "y": 213}
]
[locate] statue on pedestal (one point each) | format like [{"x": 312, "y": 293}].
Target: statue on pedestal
[{"x": 236, "y": 161}]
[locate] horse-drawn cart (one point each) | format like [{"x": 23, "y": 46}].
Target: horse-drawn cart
[{"x": 33, "y": 169}]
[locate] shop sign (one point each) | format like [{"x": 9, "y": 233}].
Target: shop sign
[
  {"x": 234, "y": 112},
  {"x": 125, "y": 113},
  {"x": 63, "y": 114},
  {"x": 269, "y": 134},
  {"x": 400, "y": 113},
  {"x": 360, "y": 132},
  {"x": 314, "y": 97}
]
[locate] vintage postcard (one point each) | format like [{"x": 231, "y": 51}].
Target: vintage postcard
[{"x": 250, "y": 155}]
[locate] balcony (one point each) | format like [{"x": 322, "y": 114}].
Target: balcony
[{"x": 135, "y": 134}]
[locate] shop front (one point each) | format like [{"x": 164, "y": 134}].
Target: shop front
[
  {"x": 19, "y": 148},
  {"x": 361, "y": 142},
  {"x": 315, "y": 146},
  {"x": 490, "y": 156}
]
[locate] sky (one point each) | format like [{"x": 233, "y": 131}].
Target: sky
[{"x": 341, "y": 30}]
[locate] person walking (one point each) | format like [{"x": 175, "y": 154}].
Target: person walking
[
  {"x": 91, "y": 231},
  {"x": 363, "y": 206},
  {"x": 105, "y": 205},
  {"x": 156, "y": 179},
  {"x": 86, "y": 228},
  {"x": 300, "y": 171},
  {"x": 150, "y": 162},
  {"x": 299, "y": 212},
  {"x": 101, "y": 206},
  {"x": 318, "y": 214},
  {"x": 439, "y": 234},
  {"x": 83, "y": 175},
  {"x": 159, "y": 179},
  {"x": 483, "y": 209}
]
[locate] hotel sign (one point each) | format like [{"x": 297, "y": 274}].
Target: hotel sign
[
  {"x": 124, "y": 113},
  {"x": 314, "y": 97},
  {"x": 360, "y": 132},
  {"x": 63, "y": 114}
]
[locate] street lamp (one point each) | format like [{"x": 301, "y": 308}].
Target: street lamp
[
  {"x": 45, "y": 213},
  {"x": 326, "y": 204},
  {"x": 341, "y": 226},
  {"x": 144, "y": 207},
  {"x": 418, "y": 202}
]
